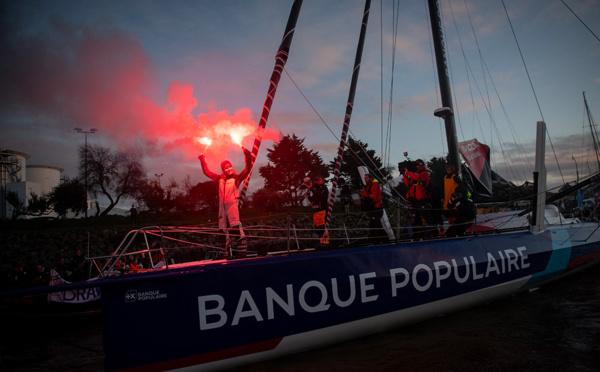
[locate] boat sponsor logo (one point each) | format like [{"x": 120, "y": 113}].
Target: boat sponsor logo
[
  {"x": 368, "y": 288},
  {"x": 76, "y": 295},
  {"x": 134, "y": 295}
]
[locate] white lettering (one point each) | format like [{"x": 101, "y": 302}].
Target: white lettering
[
  {"x": 439, "y": 276},
  {"x": 492, "y": 265},
  {"x": 422, "y": 288},
  {"x": 321, "y": 306},
  {"x": 524, "y": 257},
  {"x": 288, "y": 306},
  {"x": 246, "y": 297},
  {"x": 336, "y": 296},
  {"x": 396, "y": 285},
  {"x": 364, "y": 287},
  {"x": 456, "y": 274},
  {"x": 217, "y": 311},
  {"x": 475, "y": 275},
  {"x": 512, "y": 261}
]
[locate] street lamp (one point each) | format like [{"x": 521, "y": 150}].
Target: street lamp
[
  {"x": 91, "y": 131},
  {"x": 158, "y": 176}
]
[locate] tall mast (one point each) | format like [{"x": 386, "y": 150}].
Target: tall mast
[
  {"x": 280, "y": 61},
  {"x": 349, "y": 105},
  {"x": 447, "y": 110},
  {"x": 593, "y": 129}
]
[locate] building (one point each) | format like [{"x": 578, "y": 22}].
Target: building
[{"x": 24, "y": 180}]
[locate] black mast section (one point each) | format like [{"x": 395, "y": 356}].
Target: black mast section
[
  {"x": 280, "y": 61},
  {"x": 447, "y": 111},
  {"x": 349, "y": 105}
]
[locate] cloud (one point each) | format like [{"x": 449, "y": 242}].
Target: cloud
[{"x": 102, "y": 77}]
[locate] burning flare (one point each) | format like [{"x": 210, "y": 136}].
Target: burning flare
[
  {"x": 236, "y": 138},
  {"x": 205, "y": 141}
]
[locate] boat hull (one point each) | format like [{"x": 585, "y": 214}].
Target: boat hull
[{"x": 220, "y": 314}]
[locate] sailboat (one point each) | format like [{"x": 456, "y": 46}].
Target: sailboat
[{"x": 218, "y": 314}]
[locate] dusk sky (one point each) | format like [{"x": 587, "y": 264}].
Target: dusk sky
[{"x": 157, "y": 75}]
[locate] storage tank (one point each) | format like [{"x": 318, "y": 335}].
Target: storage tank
[{"x": 47, "y": 176}]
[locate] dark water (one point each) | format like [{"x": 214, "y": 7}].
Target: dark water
[{"x": 555, "y": 328}]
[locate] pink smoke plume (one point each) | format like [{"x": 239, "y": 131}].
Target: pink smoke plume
[{"x": 103, "y": 78}]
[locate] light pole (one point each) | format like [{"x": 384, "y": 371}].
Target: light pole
[
  {"x": 91, "y": 131},
  {"x": 159, "y": 176},
  {"x": 576, "y": 168}
]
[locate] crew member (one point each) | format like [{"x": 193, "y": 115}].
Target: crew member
[
  {"x": 371, "y": 203},
  {"x": 318, "y": 196},
  {"x": 462, "y": 210},
  {"x": 418, "y": 197},
  {"x": 451, "y": 182},
  {"x": 229, "y": 216}
]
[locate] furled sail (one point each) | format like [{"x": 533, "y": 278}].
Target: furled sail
[
  {"x": 349, "y": 105},
  {"x": 280, "y": 61},
  {"x": 477, "y": 173}
]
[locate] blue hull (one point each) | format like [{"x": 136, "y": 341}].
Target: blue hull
[{"x": 219, "y": 314}]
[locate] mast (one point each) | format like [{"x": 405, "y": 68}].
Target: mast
[
  {"x": 349, "y": 105},
  {"x": 447, "y": 110},
  {"x": 280, "y": 61},
  {"x": 593, "y": 129}
]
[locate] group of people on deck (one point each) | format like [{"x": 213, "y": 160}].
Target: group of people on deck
[
  {"x": 456, "y": 204},
  {"x": 425, "y": 202}
]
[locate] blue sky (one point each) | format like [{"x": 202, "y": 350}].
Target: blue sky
[{"x": 145, "y": 73}]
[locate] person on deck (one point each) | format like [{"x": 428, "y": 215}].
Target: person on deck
[
  {"x": 229, "y": 215},
  {"x": 371, "y": 203},
  {"x": 462, "y": 211},
  {"x": 318, "y": 195},
  {"x": 418, "y": 197},
  {"x": 451, "y": 182}
]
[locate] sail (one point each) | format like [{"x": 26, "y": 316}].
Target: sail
[
  {"x": 477, "y": 173},
  {"x": 280, "y": 60}
]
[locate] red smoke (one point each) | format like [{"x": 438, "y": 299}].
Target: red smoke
[{"x": 102, "y": 78}]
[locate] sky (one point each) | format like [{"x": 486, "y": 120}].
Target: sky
[{"x": 158, "y": 75}]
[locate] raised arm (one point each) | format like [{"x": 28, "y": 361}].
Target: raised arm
[{"x": 207, "y": 172}]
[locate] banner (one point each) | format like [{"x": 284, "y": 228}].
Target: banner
[{"x": 75, "y": 296}]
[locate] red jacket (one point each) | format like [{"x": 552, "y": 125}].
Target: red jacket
[
  {"x": 372, "y": 191},
  {"x": 417, "y": 183}
]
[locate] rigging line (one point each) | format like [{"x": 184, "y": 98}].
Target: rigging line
[
  {"x": 381, "y": 73},
  {"x": 532, "y": 88},
  {"x": 481, "y": 60},
  {"x": 395, "y": 23},
  {"x": 356, "y": 157},
  {"x": 592, "y": 129},
  {"x": 486, "y": 72},
  {"x": 509, "y": 122},
  {"x": 462, "y": 49},
  {"x": 451, "y": 74},
  {"x": 487, "y": 105},
  {"x": 310, "y": 104},
  {"x": 580, "y": 20}
]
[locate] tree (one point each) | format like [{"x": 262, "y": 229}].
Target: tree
[
  {"x": 357, "y": 154},
  {"x": 38, "y": 205},
  {"x": 205, "y": 195},
  {"x": 437, "y": 170},
  {"x": 114, "y": 174},
  {"x": 267, "y": 200},
  {"x": 289, "y": 163},
  {"x": 12, "y": 198},
  {"x": 69, "y": 195}
]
